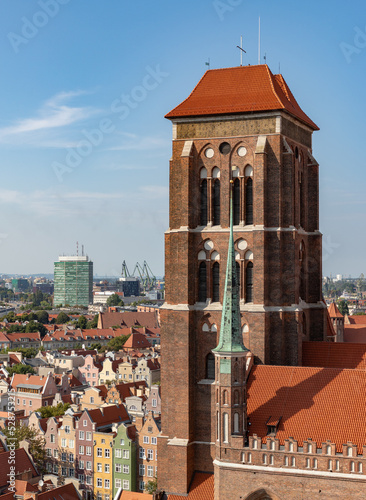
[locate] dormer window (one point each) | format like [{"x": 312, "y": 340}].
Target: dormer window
[{"x": 272, "y": 425}]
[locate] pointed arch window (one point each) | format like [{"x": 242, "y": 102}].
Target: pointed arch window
[
  {"x": 202, "y": 282},
  {"x": 216, "y": 282},
  {"x": 249, "y": 282},
  {"x": 203, "y": 207},
  {"x": 236, "y": 202},
  {"x": 210, "y": 366},
  {"x": 249, "y": 201},
  {"x": 216, "y": 203}
]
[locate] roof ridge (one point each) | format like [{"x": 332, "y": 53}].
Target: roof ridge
[{"x": 271, "y": 76}]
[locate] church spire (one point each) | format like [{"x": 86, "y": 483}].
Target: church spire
[{"x": 231, "y": 339}]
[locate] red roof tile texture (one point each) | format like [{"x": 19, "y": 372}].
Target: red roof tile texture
[
  {"x": 202, "y": 488},
  {"x": 359, "y": 319},
  {"x": 243, "y": 89},
  {"x": 334, "y": 355},
  {"x": 355, "y": 333},
  {"x": 22, "y": 461},
  {"x": 132, "y": 495},
  {"x": 128, "y": 319},
  {"x": 316, "y": 403},
  {"x": 334, "y": 311},
  {"x": 66, "y": 492}
]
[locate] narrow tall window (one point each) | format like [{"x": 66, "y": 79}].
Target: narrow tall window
[
  {"x": 236, "y": 422},
  {"x": 216, "y": 282},
  {"x": 210, "y": 366},
  {"x": 249, "y": 201},
  {"x": 202, "y": 282},
  {"x": 249, "y": 282},
  {"x": 204, "y": 202},
  {"x": 216, "y": 203},
  {"x": 226, "y": 428},
  {"x": 218, "y": 426},
  {"x": 236, "y": 201},
  {"x": 237, "y": 265}
]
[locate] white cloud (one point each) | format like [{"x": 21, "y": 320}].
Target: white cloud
[{"x": 53, "y": 114}]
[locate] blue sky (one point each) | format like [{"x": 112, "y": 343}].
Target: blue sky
[{"x": 84, "y": 146}]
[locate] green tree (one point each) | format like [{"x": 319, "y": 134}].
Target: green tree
[
  {"x": 53, "y": 411},
  {"x": 36, "y": 327},
  {"x": 97, "y": 346},
  {"x": 62, "y": 318},
  {"x": 82, "y": 322},
  {"x": 42, "y": 317},
  {"x": 114, "y": 300},
  {"x": 37, "y": 444},
  {"x": 93, "y": 323},
  {"x": 16, "y": 328},
  {"x": 343, "y": 307},
  {"x": 21, "y": 369},
  {"x": 151, "y": 486},
  {"x": 117, "y": 343}
]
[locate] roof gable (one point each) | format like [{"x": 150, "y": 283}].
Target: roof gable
[{"x": 242, "y": 89}]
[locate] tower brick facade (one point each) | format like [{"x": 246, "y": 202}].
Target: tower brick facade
[{"x": 242, "y": 125}]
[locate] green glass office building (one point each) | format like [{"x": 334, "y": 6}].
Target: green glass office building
[{"x": 73, "y": 277}]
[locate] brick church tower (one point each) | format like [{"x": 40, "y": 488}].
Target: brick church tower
[{"x": 242, "y": 125}]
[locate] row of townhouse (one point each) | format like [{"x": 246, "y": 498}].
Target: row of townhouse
[
  {"x": 69, "y": 338},
  {"x": 101, "y": 448}
]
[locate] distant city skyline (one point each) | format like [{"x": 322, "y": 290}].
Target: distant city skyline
[{"x": 85, "y": 148}]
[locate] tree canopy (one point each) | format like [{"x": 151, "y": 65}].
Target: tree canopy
[
  {"x": 117, "y": 343},
  {"x": 62, "y": 318},
  {"x": 21, "y": 369},
  {"x": 37, "y": 444},
  {"x": 114, "y": 300},
  {"x": 53, "y": 411}
]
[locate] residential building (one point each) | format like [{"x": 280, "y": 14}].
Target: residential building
[
  {"x": 153, "y": 402},
  {"x": 89, "y": 372},
  {"x": 147, "y": 459},
  {"x": 73, "y": 281},
  {"x": 103, "y": 465},
  {"x": 31, "y": 392},
  {"x": 124, "y": 458}
]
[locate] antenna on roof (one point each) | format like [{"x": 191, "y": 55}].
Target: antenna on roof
[
  {"x": 77, "y": 248},
  {"x": 242, "y": 50},
  {"x": 82, "y": 250},
  {"x": 208, "y": 63},
  {"x": 259, "y": 41}
]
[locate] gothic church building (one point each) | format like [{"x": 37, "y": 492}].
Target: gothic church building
[{"x": 243, "y": 296}]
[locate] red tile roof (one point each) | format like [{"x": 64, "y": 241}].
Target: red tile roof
[
  {"x": 28, "y": 379},
  {"x": 355, "y": 333},
  {"x": 202, "y": 488},
  {"x": 132, "y": 495},
  {"x": 22, "y": 487},
  {"x": 108, "y": 415},
  {"x": 334, "y": 311},
  {"x": 137, "y": 341},
  {"x": 66, "y": 492},
  {"x": 243, "y": 89},
  {"x": 128, "y": 319},
  {"x": 316, "y": 403},
  {"x": 22, "y": 462},
  {"x": 359, "y": 319},
  {"x": 334, "y": 355}
]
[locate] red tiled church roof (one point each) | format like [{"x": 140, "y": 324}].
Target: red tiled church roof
[
  {"x": 358, "y": 319},
  {"x": 355, "y": 333},
  {"x": 316, "y": 403},
  {"x": 202, "y": 488},
  {"x": 334, "y": 355},
  {"x": 243, "y": 89}
]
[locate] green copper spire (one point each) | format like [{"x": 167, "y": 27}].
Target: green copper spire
[{"x": 231, "y": 339}]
